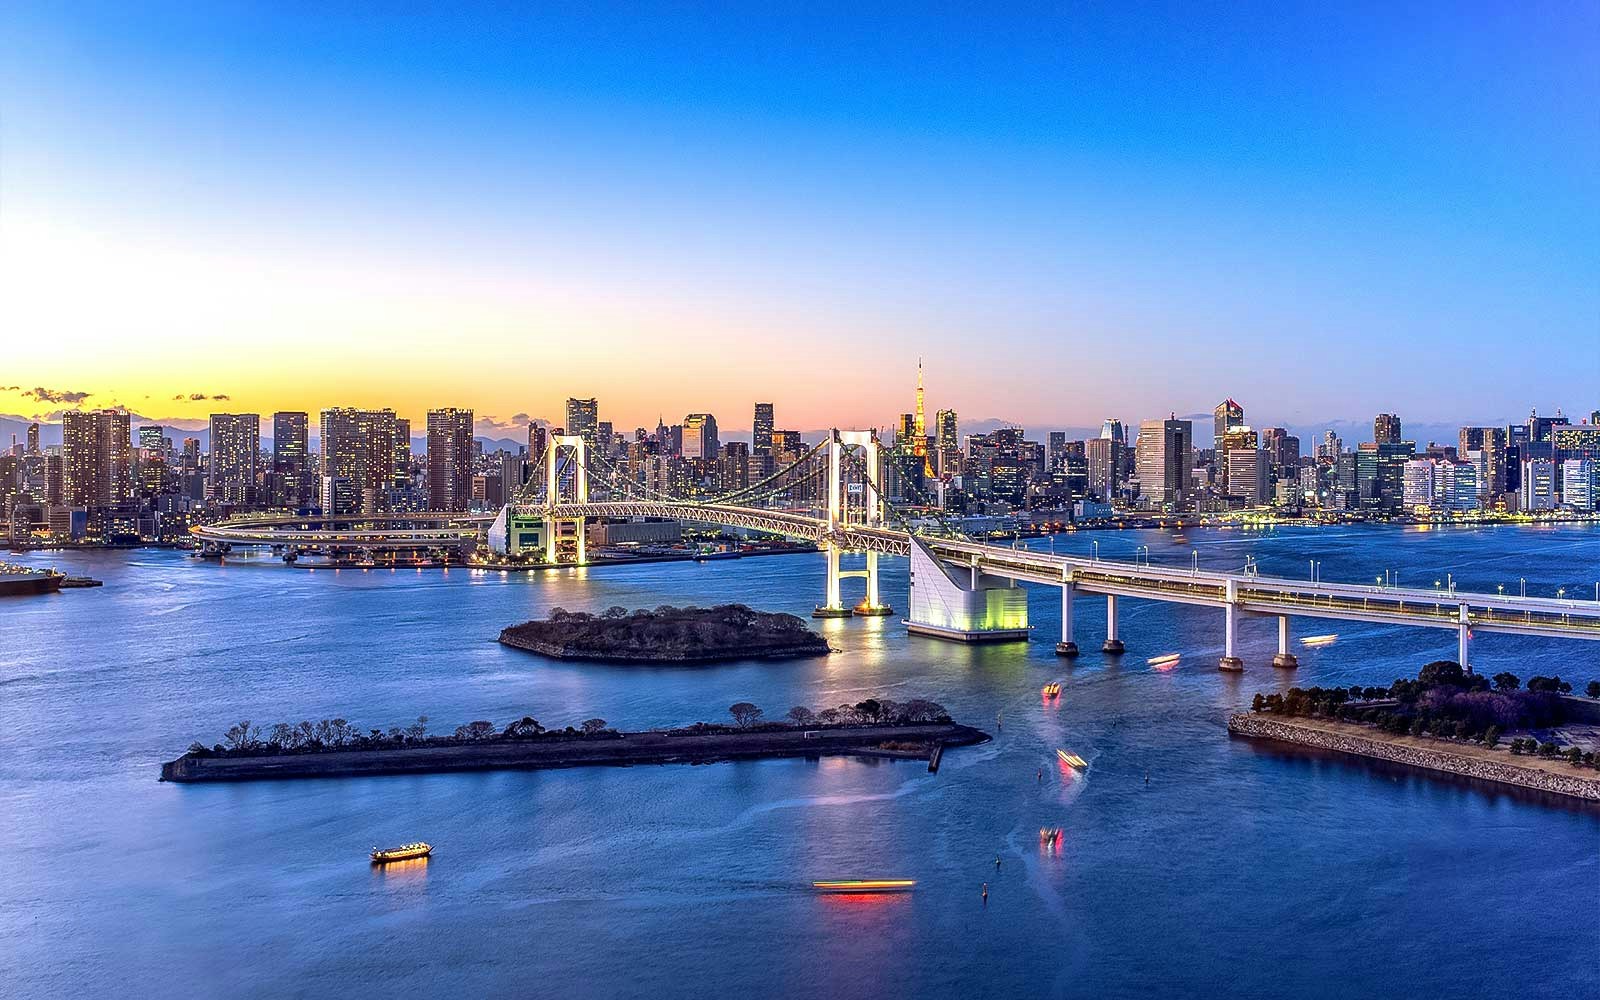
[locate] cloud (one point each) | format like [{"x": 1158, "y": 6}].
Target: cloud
[
  {"x": 200, "y": 397},
  {"x": 519, "y": 418},
  {"x": 44, "y": 395}
]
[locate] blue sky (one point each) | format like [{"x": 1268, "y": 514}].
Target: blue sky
[{"x": 1069, "y": 212}]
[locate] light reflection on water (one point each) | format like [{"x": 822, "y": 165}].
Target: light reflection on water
[{"x": 615, "y": 881}]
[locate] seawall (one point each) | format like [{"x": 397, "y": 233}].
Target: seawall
[
  {"x": 630, "y": 748},
  {"x": 1423, "y": 752}
]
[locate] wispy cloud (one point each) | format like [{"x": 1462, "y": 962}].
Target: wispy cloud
[
  {"x": 44, "y": 395},
  {"x": 200, "y": 397}
]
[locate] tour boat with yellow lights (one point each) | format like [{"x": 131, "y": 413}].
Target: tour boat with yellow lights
[
  {"x": 1319, "y": 640},
  {"x": 1052, "y": 690},
  {"x": 1072, "y": 760},
  {"x": 866, "y": 885},
  {"x": 405, "y": 852}
]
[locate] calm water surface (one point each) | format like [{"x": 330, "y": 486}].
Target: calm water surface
[{"x": 1235, "y": 870}]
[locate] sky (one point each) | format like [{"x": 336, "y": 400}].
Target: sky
[{"x": 1072, "y": 211}]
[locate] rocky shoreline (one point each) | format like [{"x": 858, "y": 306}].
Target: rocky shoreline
[
  {"x": 1419, "y": 751},
  {"x": 911, "y": 742}
]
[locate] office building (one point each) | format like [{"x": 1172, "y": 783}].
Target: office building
[
  {"x": 1579, "y": 483},
  {"x": 234, "y": 463},
  {"x": 1249, "y": 475},
  {"x": 291, "y": 459},
  {"x": 761, "y": 430},
  {"x": 450, "y": 458},
  {"x": 33, "y": 438},
  {"x": 1225, "y": 418},
  {"x": 537, "y": 439},
  {"x": 1386, "y": 429},
  {"x": 1103, "y": 457},
  {"x": 947, "y": 444},
  {"x": 1539, "y": 485},
  {"x": 95, "y": 450},
  {"x": 700, "y": 437},
  {"x": 1490, "y": 442},
  {"x": 1163, "y": 459},
  {"x": 583, "y": 420}
]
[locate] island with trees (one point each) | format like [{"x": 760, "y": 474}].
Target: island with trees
[
  {"x": 667, "y": 635},
  {"x": 1448, "y": 719},
  {"x": 917, "y": 729}
]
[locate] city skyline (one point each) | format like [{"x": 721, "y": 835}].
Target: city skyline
[{"x": 301, "y": 191}]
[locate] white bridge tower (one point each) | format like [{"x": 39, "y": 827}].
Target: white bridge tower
[{"x": 839, "y": 517}]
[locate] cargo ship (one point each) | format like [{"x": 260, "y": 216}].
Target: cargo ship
[
  {"x": 405, "y": 852},
  {"x": 15, "y": 579}
]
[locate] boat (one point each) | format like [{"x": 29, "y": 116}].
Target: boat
[
  {"x": 17, "y": 579},
  {"x": 1165, "y": 660},
  {"x": 405, "y": 852},
  {"x": 1319, "y": 640},
  {"x": 866, "y": 885},
  {"x": 1072, "y": 760},
  {"x": 1051, "y": 690}
]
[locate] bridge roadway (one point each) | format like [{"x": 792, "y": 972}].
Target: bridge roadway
[
  {"x": 1248, "y": 594},
  {"x": 1237, "y": 593}
]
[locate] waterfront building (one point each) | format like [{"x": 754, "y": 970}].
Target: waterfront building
[
  {"x": 365, "y": 459},
  {"x": 1575, "y": 441},
  {"x": 1103, "y": 457},
  {"x": 1238, "y": 437},
  {"x": 1225, "y": 418},
  {"x": 1580, "y": 484},
  {"x": 699, "y": 437},
  {"x": 1249, "y": 475},
  {"x": 1538, "y": 485},
  {"x": 450, "y": 458},
  {"x": 1163, "y": 457},
  {"x": 1491, "y": 443},
  {"x": 583, "y": 420},
  {"x": 1386, "y": 429},
  {"x": 1541, "y": 434},
  {"x": 1419, "y": 487},
  {"x": 291, "y": 459},
  {"x": 96, "y": 451},
  {"x": 234, "y": 462},
  {"x": 761, "y": 430}
]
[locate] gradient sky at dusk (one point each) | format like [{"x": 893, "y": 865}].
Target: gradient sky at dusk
[{"x": 1075, "y": 211}]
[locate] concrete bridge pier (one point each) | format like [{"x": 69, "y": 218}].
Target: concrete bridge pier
[
  {"x": 1112, "y": 644},
  {"x": 1230, "y": 619},
  {"x": 832, "y": 605},
  {"x": 872, "y": 605},
  {"x": 1066, "y": 647},
  {"x": 1284, "y": 659},
  {"x": 1463, "y": 635}
]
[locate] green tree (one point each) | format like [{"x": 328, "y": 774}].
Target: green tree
[
  {"x": 1491, "y": 736},
  {"x": 1506, "y": 681},
  {"x": 1258, "y": 702}
]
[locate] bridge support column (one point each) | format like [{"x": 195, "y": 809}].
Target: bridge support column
[
  {"x": 1230, "y": 620},
  {"x": 872, "y": 606},
  {"x": 1066, "y": 647},
  {"x": 1284, "y": 658},
  {"x": 832, "y": 606},
  {"x": 1463, "y": 635},
  {"x": 1112, "y": 644}
]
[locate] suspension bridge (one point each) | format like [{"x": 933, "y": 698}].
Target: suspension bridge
[{"x": 961, "y": 589}]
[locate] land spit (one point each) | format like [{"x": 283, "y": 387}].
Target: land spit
[
  {"x": 668, "y": 635},
  {"x": 908, "y": 742},
  {"x": 1555, "y": 776}
]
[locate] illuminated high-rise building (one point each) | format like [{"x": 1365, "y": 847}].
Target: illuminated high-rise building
[
  {"x": 1112, "y": 430},
  {"x": 95, "y": 449},
  {"x": 583, "y": 420},
  {"x": 33, "y": 438},
  {"x": 1386, "y": 429},
  {"x": 919, "y": 429},
  {"x": 235, "y": 458},
  {"x": 761, "y": 430},
  {"x": 700, "y": 437},
  {"x": 1491, "y": 443},
  {"x": 536, "y": 443},
  {"x": 1103, "y": 455},
  {"x": 1163, "y": 458},
  {"x": 947, "y": 443},
  {"x": 152, "y": 437},
  {"x": 1224, "y": 418},
  {"x": 361, "y": 455},
  {"x": 291, "y": 459},
  {"x": 1539, "y": 485},
  {"x": 450, "y": 459},
  {"x": 1249, "y": 475}
]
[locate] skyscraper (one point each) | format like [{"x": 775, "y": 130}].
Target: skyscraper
[
  {"x": 33, "y": 438},
  {"x": 291, "y": 459},
  {"x": 1104, "y": 458},
  {"x": 700, "y": 437},
  {"x": 450, "y": 458},
  {"x": 1249, "y": 475},
  {"x": 235, "y": 458},
  {"x": 1163, "y": 459},
  {"x": 1491, "y": 442},
  {"x": 948, "y": 443},
  {"x": 1058, "y": 450},
  {"x": 761, "y": 430},
  {"x": 536, "y": 443},
  {"x": 1112, "y": 430},
  {"x": 1386, "y": 429},
  {"x": 152, "y": 437},
  {"x": 1225, "y": 418},
  {"x": 361, "y": 455},
  {"x": 95, "y": 451},
  {"x": 583, "y": 420},
  {"x": 919, "y": 429}
]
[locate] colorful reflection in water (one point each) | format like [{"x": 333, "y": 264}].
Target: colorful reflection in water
[{"x": 1050, "y": 838}]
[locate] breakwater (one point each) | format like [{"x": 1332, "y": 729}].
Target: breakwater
[
  {"x": 913, "y": 742},
  {"x": 1423, "y": 752}
]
